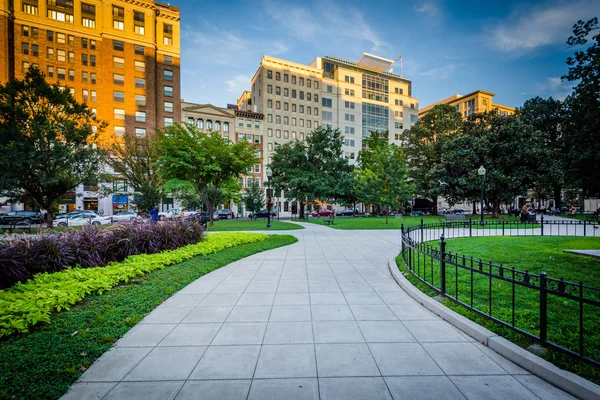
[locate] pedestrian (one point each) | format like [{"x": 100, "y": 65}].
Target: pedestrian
[
  {"x": 153, "y": 213},
  {"x": 525, "y": 212}
]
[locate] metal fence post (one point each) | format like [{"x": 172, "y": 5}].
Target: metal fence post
[
  {"x": 443, "y": 265},
  {"x": 422, "y": 230},
  {"x": 502, "y": 227},
  {"x": 470, "y": 226},
  {"x": 543, "y": 309},
  {"x": 402, "y": 240},
  {"x": 584, "y": 226},
  {"x": 542, "y": 225}
]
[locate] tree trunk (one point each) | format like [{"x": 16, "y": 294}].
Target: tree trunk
[
  {"x": 495, "y": 209},
  {"x": 435, "y": 205},
  {"x": 301, "y": 209},
  {"x": 49, "y": 217},
  {"x": 354, "y": 210},
  {"x": 474, "y": 208},
  {"x": 387, "y": 211},
  {"x": 557, "y": 197}
]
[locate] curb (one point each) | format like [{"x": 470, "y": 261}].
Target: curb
[{"x": 567, "y": 381}]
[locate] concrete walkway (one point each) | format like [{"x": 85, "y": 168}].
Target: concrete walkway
[{"x": 320, "y": 319}]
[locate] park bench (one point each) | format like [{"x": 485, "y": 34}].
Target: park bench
[
  {"x": 328, "y": 221},
  {"x": 454, "y": 217}
]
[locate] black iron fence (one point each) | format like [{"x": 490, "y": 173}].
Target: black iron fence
[{"x": 561, "y": 315}]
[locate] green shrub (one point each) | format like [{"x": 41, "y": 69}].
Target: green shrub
[{"x": 27, "y": 304}]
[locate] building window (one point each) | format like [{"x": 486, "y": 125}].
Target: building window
[
  {"x": 118, "y": 97},
  {"x": 119, "y": 79},
  {"x": 29, "y": 9},
  {"x": 60, "y": 16},
  {"x": 349, "y": 92},
  {"x": 249, "y": 123},
  {"x": 308, "y": 83},
  {"x": 301, "y": 95},
  {"x": 119, "y": 130},
  {"x": 349, "y": 104},
  {"x": 270, "y": 89},
  {"x": 118, "y": 62},
  {"x": 327, "y": 116},
  {"x": 349, "y": 130},
  {"x": 225, "y": 126},
  {"x": 92, "y": 44},
  {"x": 139, "y": 66},
  {"x": 286, "y": 78},
  {"x": 118, "y": 45},
  {"x": 278, "y": 133},
  {"x": 140, "y": 99},
  {"x": 88, "y": 22},
  {"x": 140, "y": 132},
  {"x": 140, "y": 116},
  {"x": 278, "y": 119},
  {"x": 168, "y": 121},
  {"x": 286, "y": 120},
  {"x": 168, "y": 34},
  {"x": 270, "y": 118},
  {"x": 301, "y": 81},
  {"x": 398, "y": 125},
  {"x": 277, "y": 76},
  {"x": 329, "y": 89},
  {"x": 168, "y": 75},
  {"x": 168, "y": 91},
  {"x": 217, "y": 125},
  {"x": 293, "y": 121},
  {"x": 34, "y": 32},
  {"x": 349, "y": 79},
  {"x": 84, "y": 43},
  {"x": 293, "y": 94},
  {"x": 50, "y": 71},
  {"x": 270, "y": 133},
  {"x": 269, "y": 74},
  {"x": 328, "y": 103},
  {"x": 308, "y": 98},
  {"x": 139, "y": 19},
  {"x": 50, "y": 36},
  {"x": 84, "y": 59},
  {"x": 71, "y": 56},
  {"x": 168, "y": 106},
  {"x": 71, "y": 75},
  {"x": 278, "y": 105},
  {"x": 93, "y": 75},
  {"x": 118, "y": 18},
  {"x": 61, "y": 73},
  {"x": 257, "y": 124},
  {"x": 294, "y": 107},
  {"x": 208, "y": 124},
  {"x": 93, "y": 93},
  {"x": 25, "y": 67},
  {"x": 140, "y": 83},
  {"x": 200, "y": 124},
  {"x": 93, "y": 61},
  {"x": 25, "y": 47},
  {"x": 277, "y": 91},
  {"x": 168, "y": 60},
  {"x": 269, "y": 103},
  {"x": 24, "y": 30},
  {"x": 414, "y": 117},
  {"x": 119, "y": 113},
  {"x": 139, "y": 50}
]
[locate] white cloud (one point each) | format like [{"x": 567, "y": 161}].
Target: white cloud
[
  {"x": 542, "y": 25},
  {"x": 555, "y": 87},
  {"x": 429, "y": 9},
  {"x": 238, "y": 84},
  {"x": 442, "y": 72},
  {"x": 329, "y": 24}
]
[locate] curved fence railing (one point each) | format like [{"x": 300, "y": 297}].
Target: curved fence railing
[{"x": 561, "y": 315}]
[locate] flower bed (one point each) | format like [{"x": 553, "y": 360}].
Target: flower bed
[{"x": 27, "y": 304}]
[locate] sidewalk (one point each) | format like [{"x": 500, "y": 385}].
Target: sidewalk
[{"x": 320, "y": 319}]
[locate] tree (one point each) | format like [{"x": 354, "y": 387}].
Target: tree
[
  {"x": 254, "y": 197},
  {"x": 311, "y": 170},
  {"x": 381, "y": 178},
  {"x": 547, "y": 116},
  {"x": 582, "y": 126},
  {"x": 134, "y": 159},
  {"x": 47, "y": 142},
  {"x": 424, "y": 143},
  {"x": 511, "y": 150},
  {"x": 204, "y": 163}
]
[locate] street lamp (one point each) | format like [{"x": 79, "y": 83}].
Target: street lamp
[
  {"x": 269, "y": 175},
  {"x": 481, "y": 172}
]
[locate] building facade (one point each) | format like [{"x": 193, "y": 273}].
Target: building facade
[
  {"x": 121, "y": 57},
  {"x": 475, "y": 102}
]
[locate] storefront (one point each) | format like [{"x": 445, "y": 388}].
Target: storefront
[
  {"x": 90, "y": 203},
  {"x": 66, "y": 203},
  {"x": 120, "y": 203}
]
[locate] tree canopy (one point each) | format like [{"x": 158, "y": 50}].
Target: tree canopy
[
  {"x": 47, "y": 142},
  {"x": 254, "y": 197}
]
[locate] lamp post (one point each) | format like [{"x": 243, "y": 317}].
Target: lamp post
[
  {"x": 481, "y": 172},
  {"x": 269, "y": 175}
]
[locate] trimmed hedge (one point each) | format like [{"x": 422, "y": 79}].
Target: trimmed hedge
[
  {"x": 27, "y": 304},
  {"x": 23, "y": 257}
]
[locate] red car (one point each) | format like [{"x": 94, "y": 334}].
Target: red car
[{"x": 322, "y": 213}]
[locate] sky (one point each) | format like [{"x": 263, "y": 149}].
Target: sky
[{"x": 515, "y": 49}]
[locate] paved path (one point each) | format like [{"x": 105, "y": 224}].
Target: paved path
[{"x": 320, "y": 319}]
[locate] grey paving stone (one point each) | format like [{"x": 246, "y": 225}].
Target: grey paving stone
[
  {"x": 292, "y": 299},
  {"x": 261, "y": 288},
  {"x": 363, "y": 298},
  {"x": 353, "y": 389},
  {"x": 288, "y": 389},
  {"x": 167, "y": 315},
  {"x": 286, "y": 361},
  {"x": 335, "y": 360},
  {"x": 145, "y": 335},
  {"x": 292, "y": 288},
  {"x": 372, "y": 313},
  {"x": 542, "y": 389},
  {"x": 88, "y": 391},
  {"x": 507, "y": 365},
  {"x": 249, "y": 314},
  {"x": 413, "y": 312},
  {"x": 353, "y": 286},
  {"x": 256, "y": 299},
  {"x": 220, "y": 299},
  {"x": 227, "y": 362},
  {"x": 324, "y": 287},
  {"x": 191, "y": 335},
  {"x": 145, "y": 391},
  {"x": 207, "y": 314},
  {"x": 492, "y": 388},
  {"x": 386, "y": 287},
  {"x": 396, "y": 298},
  {"x": 288, "y": 333},
  {"x": 462, "y": 359},
  {"x": 291, "y": 313},
  {"x": 331, "y": 313},
  {"x": 337, "y": 332},
  {"x": 423, "y": 388},
  {"x": 327, "y": 298},
  {"x": 113, "y": 365},
  {"x": 434, "y": 331},
  {"x": 184, "y": 300},
  {"x": 221, "y": 390},
  {"x": 230, "y": 288},
  {"x": 395, "y": 359},
  {"x": 167, "y": 364},
  {"x": 240, "y": 333},
  {"x": 385, "y": 331}
]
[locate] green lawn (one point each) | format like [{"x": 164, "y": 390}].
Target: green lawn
[
  {"x": 534, "y": 254},
  {"x": 249, "y": 225},
  {"x": 44, "y": 363}
]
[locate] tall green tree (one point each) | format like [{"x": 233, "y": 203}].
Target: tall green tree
[
  {"x": 311, "y": 170},
  {"x": 134, "y": 159},
  {"x": 547, "y": 116},
  {"x": 203, "y": 162},
  {"x": 511, "y": 150},
  {"x": 382, "y": 176},
  {"x": 582, "y": 126},
  {"x": 424, "y": 148},
  {"x": 254, "y": 197},
  {"x": 47, "y": 142}
]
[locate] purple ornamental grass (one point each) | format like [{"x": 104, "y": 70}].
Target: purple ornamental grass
[{"x": 93, "y": 246}]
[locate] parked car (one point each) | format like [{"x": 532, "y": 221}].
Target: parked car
[
  {"x": 456, "y": 210},
  {"x": 170, "y": 214},
  {"x": 346, "y": 213},
  {"x": 443, "y": 210},
  {"x": 126, "y": 216},
  {"x": 391, "y": 213},
  {"x": 202, "y": 217},
  {"x": 74, "y": 213},
  {"x": 27, "y": 217},
  {"x": 324, "y": 212},
  {"x": 216, "y": 216},
  {"x": 416, "y": 213},
  {"x": 262, "y": 214},
  {"x": 83, "y": 219},
  {"x": 225, "y": 213}
]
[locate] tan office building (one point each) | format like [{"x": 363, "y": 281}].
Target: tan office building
[
  {"x": 120, "y": 57},
  {"x": 475, "y": 102}
]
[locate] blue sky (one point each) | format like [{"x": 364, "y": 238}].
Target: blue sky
[{"x": 515, "y": 49}]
